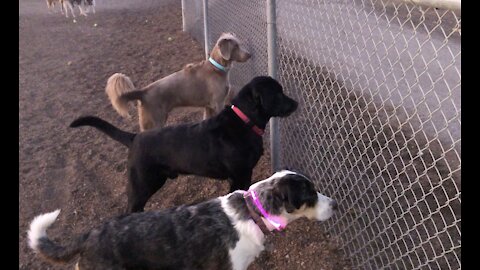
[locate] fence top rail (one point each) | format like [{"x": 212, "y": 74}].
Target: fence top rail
[{"x": 453, "y": 5}]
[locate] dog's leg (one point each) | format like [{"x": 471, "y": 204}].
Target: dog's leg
[
  {"x": 142, "y": 184},
  {"x": 218, "y": 106},
  {"x": 209, "y": 112},
  {"x": 51, "y": 6},
  {"x": 65, "y": 6},
  {"x": 241, "y": 181},
  {"x": 161, "y": 119},
  {"x": 145, "y": 119},
  {"x": 152, "y": 116},
  {"x": 229, "y": 97},
  {"x": 90, "y": 6},
  {"x": 71, "y": 9},
  {"x": 82, "y": 12}
]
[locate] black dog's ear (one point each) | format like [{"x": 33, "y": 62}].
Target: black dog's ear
[{"x": 257, "y": 97}]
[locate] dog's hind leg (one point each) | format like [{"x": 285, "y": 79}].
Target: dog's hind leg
[
  {"x": 66, "y": 5},
  {"x": 50, "y": 6},
  {"x": 82, "y": 12},
  {"x": 160, "y": 119},
  {"x": 92, "y": 6},
  {"x": 209, "y": 112},
  {"x": 142, "y": 186},
  {"x": 217, "y": 108},
  {"x": 145, "y": 119},
  {"x": 151, "y": 116},
  {"x": 73, "y": 12}
]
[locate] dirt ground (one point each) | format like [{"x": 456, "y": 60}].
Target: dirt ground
[{"x": 63, "y": 68}]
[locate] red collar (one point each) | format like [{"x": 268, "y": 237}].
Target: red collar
[{"x": 247, "y": 121}]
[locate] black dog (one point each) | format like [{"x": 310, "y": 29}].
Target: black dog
[
  {"x": 220, "y": 233},
  {"x": 227, "y": 145}
]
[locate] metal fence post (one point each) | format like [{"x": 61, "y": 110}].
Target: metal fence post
[
  {"x": 205, "y": 26},
  {"x": 184, "y": 22},
  {"x": 272, "y": 71}
]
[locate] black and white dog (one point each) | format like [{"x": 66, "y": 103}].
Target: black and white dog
[
  {"x": 226, "y": 146},
  {"x": 217, "y": 234}
]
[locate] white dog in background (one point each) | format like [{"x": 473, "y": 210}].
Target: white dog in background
[
  {"x": 66, "y": 4},
  {"x": 72, "y": 3}
]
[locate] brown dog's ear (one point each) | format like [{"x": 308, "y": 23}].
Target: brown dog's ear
[{"x": 226, "y": 46}]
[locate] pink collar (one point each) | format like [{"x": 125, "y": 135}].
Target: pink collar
[
  {"x": 245, "y": 119},
  {"x": 278, "y": 226}
]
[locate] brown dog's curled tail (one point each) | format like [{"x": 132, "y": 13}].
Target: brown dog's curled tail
[
  {"x": 120, "y": 91},
  {"x": 40, "y": 243}
]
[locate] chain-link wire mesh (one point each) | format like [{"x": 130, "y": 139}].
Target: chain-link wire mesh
[
  {"x": 193, "y": 17},
  {"x": 378, "y": 124},
  {"x": 247, "y": 20}
]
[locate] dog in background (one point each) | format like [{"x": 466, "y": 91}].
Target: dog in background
[
  {"x": 205, "y": 84},
  {"x": 224, "y": 233},
  {"x": 225, "y": 146},
  {"x": 51, "y": 4},
  {"x": 90, "y": 4},
  {"x": 70, "y": 4}
]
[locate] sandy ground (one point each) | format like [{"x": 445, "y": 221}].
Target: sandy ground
[{"x": 63, "y": 68}]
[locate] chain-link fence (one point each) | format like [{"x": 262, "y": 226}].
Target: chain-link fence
[{"x": 378, "y": 124}]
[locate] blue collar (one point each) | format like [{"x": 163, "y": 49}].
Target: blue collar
[{"x": 217, "y": 65}]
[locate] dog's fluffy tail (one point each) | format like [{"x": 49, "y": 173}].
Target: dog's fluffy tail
[
  {"x": 125, "y": 138},
  {"x": 40, "y": 243},
  {"x": 120, "y": 91}
]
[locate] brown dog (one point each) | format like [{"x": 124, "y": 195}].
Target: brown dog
[
  {"x": 51, "y": 4},
  {"x": 203, "y": 84}
]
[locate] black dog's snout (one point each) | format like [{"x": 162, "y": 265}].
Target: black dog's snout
[
  {"x": 334, "y": 205},
  {"x": 294, "y": 105}
]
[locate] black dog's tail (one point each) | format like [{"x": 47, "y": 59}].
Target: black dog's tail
[
  {"x": 126, "y": 138},
  {"x": 40, "y": 243}
]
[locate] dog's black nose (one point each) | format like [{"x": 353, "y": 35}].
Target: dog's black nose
[
  {"x": 334, "y": 205},
  {"x": 294, "y": 105}
]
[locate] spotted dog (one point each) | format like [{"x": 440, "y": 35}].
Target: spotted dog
[{"x": 221, "y": 233}]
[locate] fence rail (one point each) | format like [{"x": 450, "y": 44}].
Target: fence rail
[{"x": 378, "y": 124}]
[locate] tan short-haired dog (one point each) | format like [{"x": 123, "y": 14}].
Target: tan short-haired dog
[
  {"x": 203, "y": 84},
  {"x": 51, "y": 4}
]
